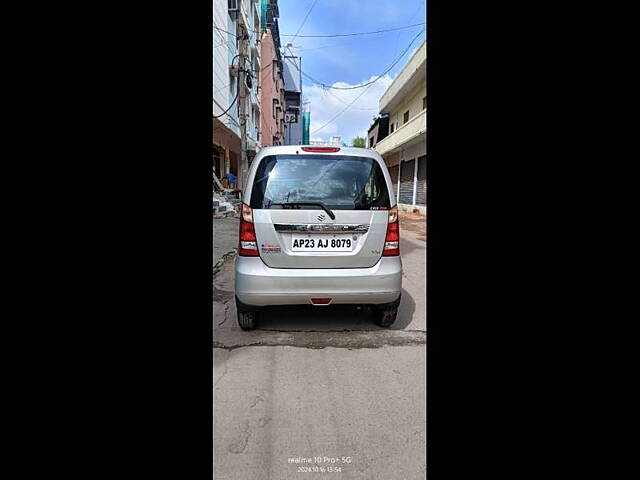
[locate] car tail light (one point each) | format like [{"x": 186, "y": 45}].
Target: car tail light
[
  {"x": 392, "y": 242},
  {"x": 248, "y": 246},
  {"x": 321, "y": 149}
]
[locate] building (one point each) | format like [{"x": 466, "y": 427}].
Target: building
[
  {"x": 404, "y": 147},
  {"x": 252, "y": 18},
  {"x": 271, "y": 79},
  {"x": 378, "y": 130},
  {"x": 234, "y": 22},
  {"x": 293, "y": 100}
]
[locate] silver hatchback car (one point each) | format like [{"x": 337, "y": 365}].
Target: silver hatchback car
[{"x": 319, "y": 226}]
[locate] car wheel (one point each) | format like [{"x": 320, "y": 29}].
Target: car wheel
[
  {"x": 247, "y": 320},
  {"x": 247, "y": 315},
  {"x": 385, "y": 317}
]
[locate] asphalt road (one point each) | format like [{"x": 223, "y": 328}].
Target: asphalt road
[{"x": 320, "y": 384}]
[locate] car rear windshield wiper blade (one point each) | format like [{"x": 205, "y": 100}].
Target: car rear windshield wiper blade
[{"x": 302, "y": 204}]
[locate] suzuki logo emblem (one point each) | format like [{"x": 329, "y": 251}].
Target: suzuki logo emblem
[{"x": 321, "y": 217}]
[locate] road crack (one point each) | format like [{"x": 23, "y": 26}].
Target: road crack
[
  {"x": 350, "y": 340},
  {"x": 220, "y": 377},
  {"x": 240, "y": 443},
  {"x": 225, "y": 256},
  {"x": 226, "y": 311}
]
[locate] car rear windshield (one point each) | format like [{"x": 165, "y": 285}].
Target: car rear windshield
[{"x": 340, "y": 182}]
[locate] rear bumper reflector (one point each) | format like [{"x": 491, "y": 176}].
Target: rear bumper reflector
[{"x": 321, "y": 301}]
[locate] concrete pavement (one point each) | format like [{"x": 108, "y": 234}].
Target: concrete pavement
[{"x": 276, "y": 403}]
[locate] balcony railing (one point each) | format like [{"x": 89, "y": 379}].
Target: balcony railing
[{"x": 413, "y": 128}]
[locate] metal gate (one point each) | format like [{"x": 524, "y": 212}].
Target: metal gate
[
  {"x": 407, "y": 171},
  {"x": 421, "y": 190},
  {"x": 393, "y": 171}
]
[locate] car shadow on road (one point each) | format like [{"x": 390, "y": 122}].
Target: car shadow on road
[{"x": 331, "y": 318}]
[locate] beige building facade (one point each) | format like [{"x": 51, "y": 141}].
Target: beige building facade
[{"x": 404, "y": 148}]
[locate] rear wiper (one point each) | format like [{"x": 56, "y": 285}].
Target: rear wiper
[{"x": 302, "y": 204}]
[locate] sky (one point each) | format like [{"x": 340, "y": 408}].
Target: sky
[{"x": 347, "y": 61}]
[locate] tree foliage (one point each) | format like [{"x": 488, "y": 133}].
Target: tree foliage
[{"x": 359, "y": 142}]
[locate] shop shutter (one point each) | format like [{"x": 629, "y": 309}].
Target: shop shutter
[
  {"x": 407, "y": 169},
  {"x": 393, "y": 171},
  {"x": 421, "y": 191}
]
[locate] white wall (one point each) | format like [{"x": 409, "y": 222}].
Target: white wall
[
  {"x": 223, "y": 53},
  {"x": 415, "y": 151}
]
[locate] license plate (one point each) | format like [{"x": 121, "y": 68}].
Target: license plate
[{"x": 322, "y": 243}]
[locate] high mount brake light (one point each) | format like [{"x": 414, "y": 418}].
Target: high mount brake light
[
  {"x": 392, "y": 241},
  {"x": 321, "y": 149},
  {"x": 248, "y": 245}
]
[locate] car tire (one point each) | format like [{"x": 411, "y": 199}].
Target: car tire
[
  {"x": 247, "y": 315},
  {"x": 385, "y": 317},
  {"x": 247, "y": 320}
]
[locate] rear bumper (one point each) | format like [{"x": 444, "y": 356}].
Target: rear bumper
[{"x": 259, "y": 285}]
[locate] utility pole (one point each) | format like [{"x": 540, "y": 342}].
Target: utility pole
[{"x": 242, "y": 106}]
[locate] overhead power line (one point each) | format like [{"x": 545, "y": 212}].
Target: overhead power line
[
  {"x": 234, "y": 100},
  {"x": 330, "y": 35},
  {"x": 342, "y": 44},
  {"x": 225, "y": 112},
  {"x": 352, "y": 34},
  {"x": 324, "y": 85},
  {"x": 223, "y": 30},
  {"x": 303, "y": 22},
  {"x": 223, "y": 40},
  {"x": 368, "y": 85},
  {"x": 345, "y": 103},
  {"x": 342, "y": 111}
]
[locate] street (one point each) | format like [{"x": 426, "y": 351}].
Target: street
[{"x": 320, "y": 388}]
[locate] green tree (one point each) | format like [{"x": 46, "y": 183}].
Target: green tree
[{"x": 359, "y": 142}]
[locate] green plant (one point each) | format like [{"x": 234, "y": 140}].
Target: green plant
[{"x": 359, "y": 142}]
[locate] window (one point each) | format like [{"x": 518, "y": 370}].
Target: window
[
  {"x": 424, "y": 103},
  {"x": 274, "y": 106},
  {"x": 274, "y": 69},
  {"x": 406, "y": 117},
  {"x": 343, "y": 183},
  {"x": 372, "y": 141},
  {"x": 393, "y": 125}
]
